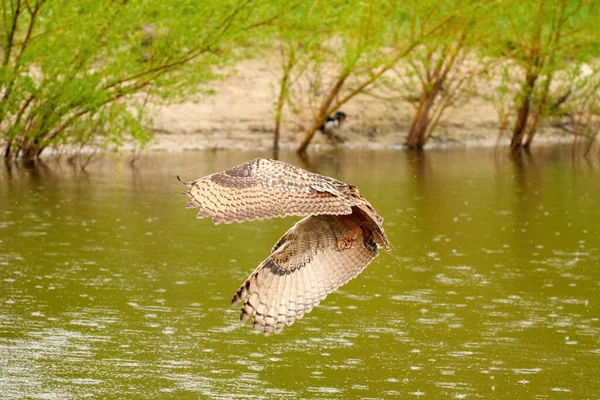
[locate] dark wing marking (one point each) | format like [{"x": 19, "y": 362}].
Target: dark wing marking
[{"x": 314, "y": 258}]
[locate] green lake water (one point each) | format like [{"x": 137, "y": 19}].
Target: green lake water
[{"x": 111, "y": 289}]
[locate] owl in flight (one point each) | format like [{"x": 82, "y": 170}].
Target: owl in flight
[{"x": 340, "y": 235}]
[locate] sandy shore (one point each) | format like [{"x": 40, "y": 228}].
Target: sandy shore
[{"x": 240, "y": 116}]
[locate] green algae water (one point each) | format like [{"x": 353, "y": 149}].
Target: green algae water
[{"x": 110, "y": 288}]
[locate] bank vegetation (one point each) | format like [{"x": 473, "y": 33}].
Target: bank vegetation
[{"x": 75, "y": 73}]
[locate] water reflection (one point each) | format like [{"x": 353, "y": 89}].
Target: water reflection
[{"x": 110, "y": 288}]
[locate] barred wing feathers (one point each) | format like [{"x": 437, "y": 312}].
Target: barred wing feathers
[
  {"x": 340, "y": 236},
  {"x": 314, "y": 258},
  {"x": 264, "y": 188}
]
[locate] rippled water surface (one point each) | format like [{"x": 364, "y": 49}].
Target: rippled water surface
[{"x": 110, "y": 288}]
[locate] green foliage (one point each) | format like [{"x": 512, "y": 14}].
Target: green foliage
[
  {"x": 73, "y": 71},
  {"x": 438, "y": 71},
  {"x": 339, "y": 50},
  {"x": 81, "y": 72},
  {"x": 544, "y": 43}
]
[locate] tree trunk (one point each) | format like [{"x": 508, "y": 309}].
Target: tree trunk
[
  {"x": 278, "y": 110},
  {"x": 283, "y": 90},
  {"x": 8, "y": 150},
  {"x": 276, "y": 135},
  {"x": 29, "y": 155},
  {"x": 417, "y": 135},
  {"x": 29, "y": 150},
  {"x": 533, "y": 128},
  {"x": 277, "y": 128},
  {"x": 590, "y": 143},
  {"x": 523, "y": 115},
  {"x": 323, "y": 112},
  {"x": 520, "y": 124},
  {"x": 311, "y": 132}
]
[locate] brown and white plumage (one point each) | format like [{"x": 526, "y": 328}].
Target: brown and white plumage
[{"x": 339, "y": 237}]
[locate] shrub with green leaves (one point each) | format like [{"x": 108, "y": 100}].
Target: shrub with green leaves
[
  {"x": 544, "y": 41},
  {"x": 76, "y": 72},
  {"x": 346, "y": 47}
]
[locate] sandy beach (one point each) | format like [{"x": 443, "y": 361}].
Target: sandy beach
[{"x": 240, "y": 116}]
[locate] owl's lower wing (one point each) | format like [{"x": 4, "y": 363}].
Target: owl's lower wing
[
  {"x": 262, "y": 189},
  {"x": 313, "y": 259}
]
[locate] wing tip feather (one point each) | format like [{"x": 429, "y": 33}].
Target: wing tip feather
[{"x": 188, "y": 184}]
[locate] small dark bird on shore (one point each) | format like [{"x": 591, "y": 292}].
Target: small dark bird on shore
[
  {"x": 340, "y": 236},
  {"x": 333, "y": 123}
]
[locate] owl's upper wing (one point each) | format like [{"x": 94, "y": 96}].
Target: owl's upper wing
[
  {"x": 265, "y": 189},
  {"x": 314, "y": 258}
]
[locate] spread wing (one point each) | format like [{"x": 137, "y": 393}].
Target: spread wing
[
  {"x": 314, "y": 258},
  {"x": 265, "y": 189}
]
